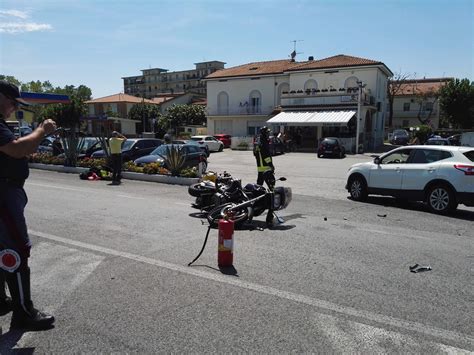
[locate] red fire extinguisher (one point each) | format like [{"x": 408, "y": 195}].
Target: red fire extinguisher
[{"x": 225, "y": 254}]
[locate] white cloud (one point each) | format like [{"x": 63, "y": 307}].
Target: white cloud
[
  {"x": 24, "y": 27},
  {"x": 18, "y": 24},
  {"x": 15, "y": 13}
]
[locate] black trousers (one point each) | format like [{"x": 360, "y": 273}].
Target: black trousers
[
  {"x": 116, "y": 162},
  {"x": 268, "y": 177}
]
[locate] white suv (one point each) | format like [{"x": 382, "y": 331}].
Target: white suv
[{"x": 442, "y": 176}]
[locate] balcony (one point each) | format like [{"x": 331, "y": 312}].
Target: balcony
[
  {"x": 239, "y": 110},
  {"x": 316, "y": 97}
]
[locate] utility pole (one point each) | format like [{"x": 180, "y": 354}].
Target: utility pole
[{"x": 359, "y": 103}]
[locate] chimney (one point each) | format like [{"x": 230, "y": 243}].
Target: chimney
[{"x": 310, "y": 58}]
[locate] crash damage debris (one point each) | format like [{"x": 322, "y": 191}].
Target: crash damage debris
[{"x": 419, "y": 268}]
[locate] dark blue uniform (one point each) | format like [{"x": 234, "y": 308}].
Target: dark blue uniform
[{"x": 13, "y": 173}]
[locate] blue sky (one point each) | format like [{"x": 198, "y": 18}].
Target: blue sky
[{"x": 96, "y": 43}]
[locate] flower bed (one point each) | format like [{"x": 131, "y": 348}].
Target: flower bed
[{"x": 149, "y": 169}]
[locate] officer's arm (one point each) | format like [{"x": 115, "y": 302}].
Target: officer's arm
[{"x": 26, "y": 145}]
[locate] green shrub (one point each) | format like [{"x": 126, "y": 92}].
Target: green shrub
[{"x": 189, "y": 172}]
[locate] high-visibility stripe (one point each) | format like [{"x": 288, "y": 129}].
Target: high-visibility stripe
[{"x": 21, "y": 293}]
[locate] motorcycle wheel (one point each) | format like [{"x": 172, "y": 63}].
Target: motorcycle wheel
[
  {"x": 197, "y": 190},
  {"x": 218, "y": 213}
]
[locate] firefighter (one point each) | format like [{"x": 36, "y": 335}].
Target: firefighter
[
  {"x": 14, "y": 240},
  {"x": 265, "y": 168}
]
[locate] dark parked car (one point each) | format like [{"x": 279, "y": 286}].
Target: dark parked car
[
  {"x": 46, "y": 145},
  {"x": 400, "y": 137},
  {"x": 204, "y": 148},
  {"x": 437, "y": 141},
  {"x": 224, "y": 138},
  {"x": 134, "y": 148},
  {"x": 331, "y": 146},
  {"x": 276, "y": 145},
  {"x": 194, "y": 155},
  {"x": 455, "y": 140}
]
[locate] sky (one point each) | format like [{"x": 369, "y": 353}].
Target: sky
[{"x": 96, "y": 43}]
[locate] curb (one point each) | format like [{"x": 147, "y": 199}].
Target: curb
[{"x": 164, "y": 179}]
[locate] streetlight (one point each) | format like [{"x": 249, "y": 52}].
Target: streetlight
[{"x": 359, "y": 103}]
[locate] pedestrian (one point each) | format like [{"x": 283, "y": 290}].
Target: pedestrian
[
  {"x": 265, "y": 168},
  {"x": 115, "y": 144},
  {"x": 15, "y": 244}
]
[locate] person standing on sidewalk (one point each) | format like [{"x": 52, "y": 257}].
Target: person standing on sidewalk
[
  {"x": 15, "y": 244},
  {"x": 115, "y": 144},
  {"x": 265, "y": 168}
]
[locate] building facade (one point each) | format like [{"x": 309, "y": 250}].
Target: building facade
[
  {"x": 157, "y": 81},
  {"x": 415, "y": 102},
  {"x": 313, "y": 98}
]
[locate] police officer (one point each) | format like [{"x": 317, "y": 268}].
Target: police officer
[
  {"x": 265, "y": 166},
  {"x": 14, "y": 241}
]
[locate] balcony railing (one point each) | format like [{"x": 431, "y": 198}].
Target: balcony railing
[{"x": 239, "y": 110}]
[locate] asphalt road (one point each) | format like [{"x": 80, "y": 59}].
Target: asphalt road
[{"x": 111, "y": 263}]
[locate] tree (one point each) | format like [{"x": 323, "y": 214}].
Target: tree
[
  {"x": 180, "y": 115},
  {"x": 395, "y": 85},
  {"x": 145, "y": 112},
  {"x": 457, "y": 103},
  {"x": 423, "y": 98}
]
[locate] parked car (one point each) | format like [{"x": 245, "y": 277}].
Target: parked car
[
  {"x": 400, "y": 137},
  {"x": 203, "y": 147},
  {"x": 276, "y": 145},
  {"x": 46, "y": 145},
  {"x": 331, "y": 146},
  {"x": 224, "y": 138},
  {"x": 437, "y": 141},
  {"x": 194, "y": 156},
  {"x": 441, "y": 176},
  {"x": 212, "y": 143},
  {"x": 134, "y": 148},
  {"x": 455, "y": 140}
]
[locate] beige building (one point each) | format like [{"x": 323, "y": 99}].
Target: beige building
[
  {"x": 416, "y": 101},
  {"x": 157, "y": 81}
]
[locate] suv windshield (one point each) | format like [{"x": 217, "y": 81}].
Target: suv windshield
[{"x": 400, "y": 132}]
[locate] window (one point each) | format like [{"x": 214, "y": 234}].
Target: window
[
  {"x": 310, "y": 84},
  {"x": 223, "y": 103},
  {"x": 351, "y": 82},
  {"x": 255, "y": 101},
  {"x": 406, "y": 106},
  {"x": 398, "y": 157}
]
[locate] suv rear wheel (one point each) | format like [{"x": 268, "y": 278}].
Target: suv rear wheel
[{"x": 440, "y": 199}]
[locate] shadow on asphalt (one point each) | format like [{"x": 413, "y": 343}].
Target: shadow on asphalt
[
  {"x": 9, "y": 340},
  {"x": 415, "y": 206}
]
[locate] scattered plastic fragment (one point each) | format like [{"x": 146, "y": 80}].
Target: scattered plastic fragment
[
  {"x": 420, "y": 268},
  {"x": 325, "y": 218},
  {"x": 382, "y": 215}
]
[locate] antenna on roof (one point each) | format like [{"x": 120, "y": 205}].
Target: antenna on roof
[{"x": 294, "y": 53}]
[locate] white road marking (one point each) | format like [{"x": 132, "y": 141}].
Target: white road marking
[
  {"x": 383, "y": 320},
  {"x": 129, "y": 196},
  {"x": 67, "y": 269}
]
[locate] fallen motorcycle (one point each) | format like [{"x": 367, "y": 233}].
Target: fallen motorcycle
[
  {"x": 214, "y": 190},
  {"x": 259, "y": 199}
]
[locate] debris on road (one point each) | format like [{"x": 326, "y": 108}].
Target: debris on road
[
  {"x": 419, "y": 268},
  {"x": 382, "y": 215}
]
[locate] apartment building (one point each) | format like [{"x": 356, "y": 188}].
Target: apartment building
[
  {"x": 416, "y": 102},
  {"x": 155, "y": 81},
  {"x": 335, "y": 96}
]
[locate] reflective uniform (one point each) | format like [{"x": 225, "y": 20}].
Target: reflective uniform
[
  {"x": 115, "y": 144},
  {"x": 264, "y": 160}
]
